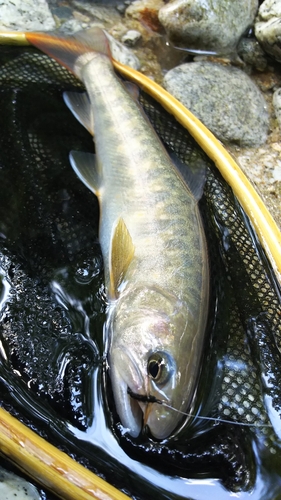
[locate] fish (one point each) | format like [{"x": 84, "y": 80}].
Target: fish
[{"x": 152, "y": 240}]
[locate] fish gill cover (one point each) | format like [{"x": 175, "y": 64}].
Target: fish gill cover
[{"x": 52, "y": 309}]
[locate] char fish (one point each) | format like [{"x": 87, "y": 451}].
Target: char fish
[{"x": 152, "y": 240}]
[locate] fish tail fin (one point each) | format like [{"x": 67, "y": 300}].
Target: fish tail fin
[{"x": 66, "y": 50}]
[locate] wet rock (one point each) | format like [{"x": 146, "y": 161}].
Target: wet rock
[
  {"x": 135, "y": 9},
  {"x": 14, "y": 487},
  {"x": 131, "y": 38},
  {"x": 146, "y": 11},
  {"x": 121, "y": 7},
  {"x": 252, "y": 54},
  {"x": 26, "y": 15},
  {"x": 277, "y": 105},
  {"x": 268, "y": 27},
  {"x": 106, "y": 15},
  {"x": 225, "y": 99},
  {"x": 71, "y": 26},
  {"x": 207, "y": 25}
]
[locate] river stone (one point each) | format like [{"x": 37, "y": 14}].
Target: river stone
[
  {"x": 131, "y": 38},
  {"x": 268, "y": 27},
  {"x": 26, "y": 15},
  {"x": 277, "y": 105},
  {"x": 13, "y": 487},
  {"x": 224, "y": 98},
  {"x": 137, "y": 8},
  {"x": 250, "y": 51},
  {"x": 208, "y": 25}
]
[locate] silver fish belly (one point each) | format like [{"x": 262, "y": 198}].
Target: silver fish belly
[{"x": 154, "y": 250}]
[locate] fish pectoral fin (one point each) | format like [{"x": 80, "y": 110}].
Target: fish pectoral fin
[
  {"x": 121, "y": 254},
  {"x": 79, "y": 104},
  {"x": 86, "y": 167}
]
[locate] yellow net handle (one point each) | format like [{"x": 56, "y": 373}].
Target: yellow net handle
[{"x": 49, "y": 466}]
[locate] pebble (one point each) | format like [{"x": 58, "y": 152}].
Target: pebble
[
  {"x": 26, "y": 15},
  {"x": 121, "y": 8},
  {"x": 211, "y": 26},
  {"x": 14, "y": 487},
  {"x": 268, "y": 27},
  {"x": 277, "y": 105},
  {"x": 224, "y": 98},
  {"x": 131, "y": 38}
]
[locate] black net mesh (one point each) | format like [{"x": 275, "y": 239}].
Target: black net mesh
[{"x": 52, "y": 308}]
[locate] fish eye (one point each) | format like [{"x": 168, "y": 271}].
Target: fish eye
[{"x": 160, "y": 367}]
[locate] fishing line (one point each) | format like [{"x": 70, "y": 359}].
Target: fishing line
[
  {"x": 152, "y": 399},
  {"x": 214, "y": 419}
]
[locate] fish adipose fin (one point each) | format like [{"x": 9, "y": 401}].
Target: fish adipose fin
[
  {"x": 79, "y": 104},
  {"x": 66, "y": 50},
  {"x": 121, "y": 254},
  {"x": 86, "y": 167}
]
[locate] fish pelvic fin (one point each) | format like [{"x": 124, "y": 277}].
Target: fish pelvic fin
[
  {"x": 67, "y": 50},
  {"x": 80, "y": 106},
  {"x": 86, "y": 167},
  {"x": 121, "y": 254}
]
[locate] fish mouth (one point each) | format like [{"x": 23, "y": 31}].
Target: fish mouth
[
  {"x": 135, "y": 407},
  {"x": 158, "y": 419},
  {"x": 126, "y": 379}
]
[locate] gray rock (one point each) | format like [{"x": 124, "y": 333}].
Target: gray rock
[
  {"x": 14, "y": 487},
  {"x": 26, "y": 15},
  {"x": 277, "y": 105},
  {"x": 225, "y": 99},
  {"x": 131, "y": 38},
  {"x": 268, "y": 27},
  {"x": 106, "y": 15},
  {"x": 252, "y": 54},
  {"x": 121, "y": 7},
  {"x": 208, "y": 25},
  {"x": 70, "y": 26}
]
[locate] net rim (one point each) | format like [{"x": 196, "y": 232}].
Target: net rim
[{"x": 38, "y": 458}]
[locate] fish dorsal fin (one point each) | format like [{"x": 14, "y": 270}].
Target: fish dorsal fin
[
  {"x": 194, "y": 178},
  {"x": 121, "y": 254},
  {"x": 79, "y": 104},
  {"x": 86, "y": 167}
]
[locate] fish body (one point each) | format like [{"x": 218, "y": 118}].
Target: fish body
[{"x": 152, "y": 240}]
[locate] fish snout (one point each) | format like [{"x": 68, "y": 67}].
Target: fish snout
[{"x": 126, "y": 377}]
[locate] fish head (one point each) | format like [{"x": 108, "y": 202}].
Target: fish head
[{"x": 149, "y": 367}]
